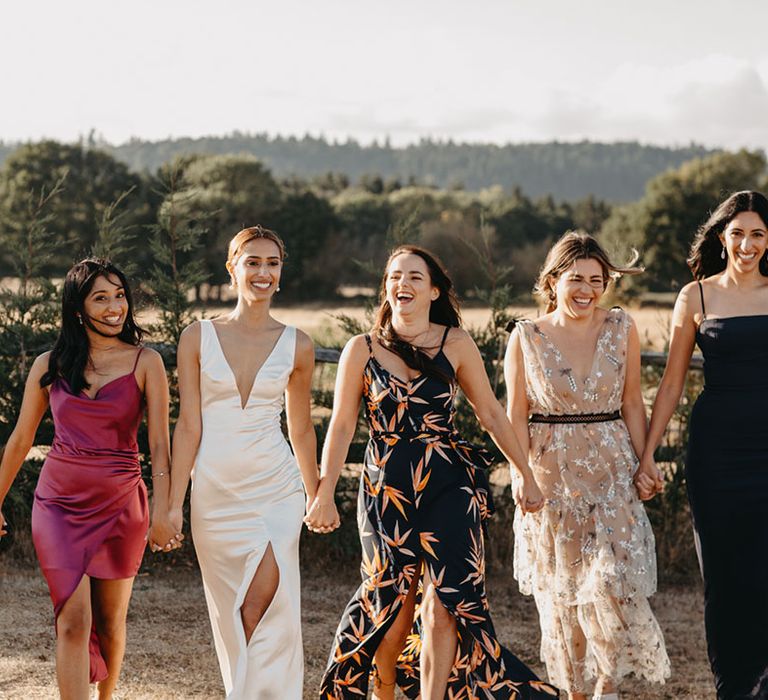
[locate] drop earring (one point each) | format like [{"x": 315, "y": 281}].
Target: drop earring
[{"x": 722, "y": 253}]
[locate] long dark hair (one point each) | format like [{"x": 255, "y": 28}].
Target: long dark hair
[
  {"x": 705, "y": 258},
  {"x": 444, "y": 310},
  {"x": 71, "y": 351}
]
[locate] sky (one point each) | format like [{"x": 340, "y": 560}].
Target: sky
[{"x": 666, "y": 72}]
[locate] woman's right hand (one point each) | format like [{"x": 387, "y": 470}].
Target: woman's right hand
[
  {"x": 322, "y": 515},
  {"x": 648, "y": 478}
]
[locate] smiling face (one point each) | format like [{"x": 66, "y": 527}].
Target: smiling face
[
  {"x": 409, "y": 289},
  {"x": 580, "y": 287},
  {"x": 745, "y": 239},
  {"x": 106, "y": 306},
  {"x": 256, "y": 270}
]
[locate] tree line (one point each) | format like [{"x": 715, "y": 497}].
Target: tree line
[
  {"x": 616, "y": 172},
  {"x": 338, "y": 230}
]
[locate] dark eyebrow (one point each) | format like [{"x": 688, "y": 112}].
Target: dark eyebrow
[
  {"x": 104, "y": 291},
  {"x": 258, "y": 257}
]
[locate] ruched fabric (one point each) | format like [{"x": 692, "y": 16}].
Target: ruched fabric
[
  {"x": 90, "y": 514},
  {"x": 247, "y": 495}
]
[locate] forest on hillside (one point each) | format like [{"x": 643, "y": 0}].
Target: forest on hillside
[
  {"x": 71, "y": 200},
  {"x": 615, "y": 172}
]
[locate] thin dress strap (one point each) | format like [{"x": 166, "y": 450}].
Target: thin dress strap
[
  {"x": 368, "y": 342},
  {"x": 701, "y": 293},
  {"x": 136, "y": 362},
  {"x": 445, "y": 335}
]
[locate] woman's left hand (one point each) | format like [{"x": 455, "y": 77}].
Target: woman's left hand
[
  {"x": 527, "y": 493},
  {"x": 164, "y": 534}
]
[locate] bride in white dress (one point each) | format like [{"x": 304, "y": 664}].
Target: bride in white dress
[{"x": 247, "y": 499}]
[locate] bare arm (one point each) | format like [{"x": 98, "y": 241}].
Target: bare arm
[
  {"x": 517, "y": 399},
  {"x": 188, "y": 430},
  {"x": 632, "y": 404},
  {"x": 33, "y": 407},
  {"x": 470, "y": 373},
  {"x": 156, "y": 397},
  {"x": 682, "y": 341},
  {"x": 298, "y": 409},
  {"x": 322, "y": 515}
]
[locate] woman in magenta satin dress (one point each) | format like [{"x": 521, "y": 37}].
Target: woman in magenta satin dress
[{"x": 90, "y": 515}]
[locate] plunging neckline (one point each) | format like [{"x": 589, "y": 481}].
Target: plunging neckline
[
  {"x": 244, "y": 405},
  {"x": 566, "y": 361}
]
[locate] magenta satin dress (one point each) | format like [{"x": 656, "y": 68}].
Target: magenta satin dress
[{"x": 90, "y": 514}]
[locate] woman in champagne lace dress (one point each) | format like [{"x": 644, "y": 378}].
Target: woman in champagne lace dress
[{"x": 588, "y": 556}]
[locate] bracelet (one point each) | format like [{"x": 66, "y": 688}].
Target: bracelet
[{"x": 157, "y": 475}]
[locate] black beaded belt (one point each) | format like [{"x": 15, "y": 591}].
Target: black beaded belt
[{"x": 575, "y": 417}]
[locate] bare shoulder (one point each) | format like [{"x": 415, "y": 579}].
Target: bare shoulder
[
  {"x": 356, "y": 350},
  {"x": 458, "y": 337},
  {"x": 151, "y": 359},
  {"x": 459, "y": 348},
  {"x": 691, "y": 290},
  {"x": 40, "y": 365},
  {"x": 304, "y": 343},
  {"x": 191, "y": 334},
  {"x": 305, "y": 349}
]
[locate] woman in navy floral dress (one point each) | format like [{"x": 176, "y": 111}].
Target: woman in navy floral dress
[{"x": 420, "y": 618}]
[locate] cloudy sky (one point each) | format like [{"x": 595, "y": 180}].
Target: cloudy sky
[{"x": 659, "y": 71}]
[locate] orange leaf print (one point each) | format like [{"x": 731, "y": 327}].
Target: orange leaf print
[
  {"x": 396, "y": 497},
  {"x": 425, "y": 538}
]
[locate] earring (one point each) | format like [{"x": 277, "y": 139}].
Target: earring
[
  {"x": 277, "y": 289},
  {"x": 722, "y": 253},
  {"x": 80, "y": 320}
]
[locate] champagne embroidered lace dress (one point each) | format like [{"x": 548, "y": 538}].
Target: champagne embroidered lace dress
[{"x": 588, "y": 557}]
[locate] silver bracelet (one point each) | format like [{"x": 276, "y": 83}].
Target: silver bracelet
[{"x": 157, "y": 475}]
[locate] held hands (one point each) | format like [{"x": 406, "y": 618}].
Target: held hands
[
  {"x": 322, "y": 515},
  {"x": 648, "y": 479},
  {"x": 165, "y": 532},
  {"x": 526, "y": 493}
]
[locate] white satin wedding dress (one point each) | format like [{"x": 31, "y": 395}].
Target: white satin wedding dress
[{"x": 247, "y": 494}]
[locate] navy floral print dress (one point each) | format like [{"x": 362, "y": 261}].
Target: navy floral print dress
[{"x": 423, "y": 498}]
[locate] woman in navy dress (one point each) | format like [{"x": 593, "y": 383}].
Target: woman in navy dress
[
  {"x": 423, "y": 497},
  {"x": 725, "y": 311}
]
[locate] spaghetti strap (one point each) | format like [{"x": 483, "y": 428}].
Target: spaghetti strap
[
  {"x": 445, "y": 335},
  {"x": 136, "y": 362},
  {"x": 701, "y": 293},
  {"x": 368, "y": 342}
]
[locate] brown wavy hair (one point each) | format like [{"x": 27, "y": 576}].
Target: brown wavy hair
[
  {"x": 444, "y": 311},
  {"x": 573, "y": 246},
  {"x": 705, "y": 258}
]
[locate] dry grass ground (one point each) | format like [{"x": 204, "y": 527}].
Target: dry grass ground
[{"x": 170, "y": 654}]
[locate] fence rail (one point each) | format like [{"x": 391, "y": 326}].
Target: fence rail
[{"x": 647, "y": 357}]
